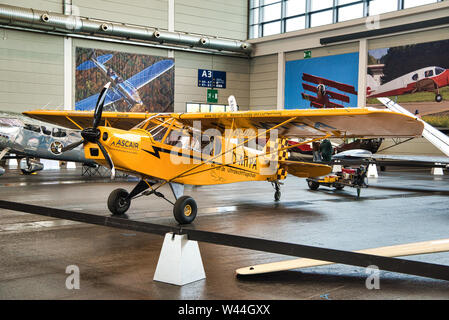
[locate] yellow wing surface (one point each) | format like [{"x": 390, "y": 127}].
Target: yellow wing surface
[
  {"x": 83, "y": 119},
  {"x": 347, "y": 122}
]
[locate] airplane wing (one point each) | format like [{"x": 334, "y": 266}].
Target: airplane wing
[
  {"x": 83, "y": 119},
  {"x": 309, "y": 123},
  {"x": 360, "y": 156},
  {"x": 334, "y": 84},
  {"x": 426, "y": 84},
  {"x": 152, "y": 72},
  {"x": 302, "y": 123},
  {"x": 90, "y": 102}
]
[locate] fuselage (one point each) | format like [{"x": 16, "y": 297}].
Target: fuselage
[{"x": 136, "y": 151}]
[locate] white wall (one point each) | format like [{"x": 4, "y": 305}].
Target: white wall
[{"x": 31, "y": 71}]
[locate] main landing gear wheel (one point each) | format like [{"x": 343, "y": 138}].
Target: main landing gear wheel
[
  {"x": 339, "y": 187},
  {"x": 313, "y": 185},
  {"x": 185, "y": 210},
  {"x": 438, "y": 98},
  {"x": 119, "y": 201}
]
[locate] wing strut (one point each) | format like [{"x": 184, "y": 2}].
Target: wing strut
[{"x": 76, "y": 124}]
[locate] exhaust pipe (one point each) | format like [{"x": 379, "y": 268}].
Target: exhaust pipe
[{"x": 52, "y": 21}]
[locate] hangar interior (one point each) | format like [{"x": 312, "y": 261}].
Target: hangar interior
[{"x": 258, "y": 45}]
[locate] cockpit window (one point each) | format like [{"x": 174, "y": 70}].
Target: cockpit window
[
  {"x": 59, "y": 133},
  {"x": 32, "y": 127},
  {"x": 415, "y": 77},
  {"x": 438, "y": 70},
  {"x": 159, "y": 133},
  {"x": 46, "y": 131},
  {"x": 428, "y": 73},
  {"x": 10, "y": 122}
]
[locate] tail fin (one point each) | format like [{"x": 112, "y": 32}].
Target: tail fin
[{"x": 371, "y": 85}]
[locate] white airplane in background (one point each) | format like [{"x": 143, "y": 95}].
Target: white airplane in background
[{"x": 429, "y": 79}]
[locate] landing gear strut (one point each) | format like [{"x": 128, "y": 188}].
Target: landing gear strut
[
  {"x": 184, "y": 208},
  {"x": 277, "y": 192}
]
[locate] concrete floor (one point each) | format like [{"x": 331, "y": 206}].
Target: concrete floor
[{"x": 399, "y": 207}]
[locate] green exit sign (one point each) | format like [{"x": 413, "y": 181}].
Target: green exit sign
[
  {"x": 307, "y": 54},
  {"x": 212, "y": 95}
]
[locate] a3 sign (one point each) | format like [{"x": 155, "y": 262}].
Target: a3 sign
[{"x": 211, "y": 79}]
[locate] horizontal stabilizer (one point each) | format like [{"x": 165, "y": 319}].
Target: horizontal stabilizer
[{"x": 305, "y": 169}]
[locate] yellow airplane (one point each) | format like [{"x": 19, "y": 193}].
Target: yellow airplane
[{"x": 214, "y": 148}]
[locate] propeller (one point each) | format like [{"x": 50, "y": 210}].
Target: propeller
[{"x": 93, "y": 134}]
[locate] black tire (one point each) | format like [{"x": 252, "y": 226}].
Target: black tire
[
  {"x": 313, "y": 185},
  {"x": 339, "y": 187},
  {"x": 185, "y": 210},
  {"x": 277, "y": 196},
  {"x": 438, "y": 98},
  {"x": 118, "y": 202}
]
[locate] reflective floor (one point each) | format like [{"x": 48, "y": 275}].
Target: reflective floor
[{"x": 398, "y": 207}]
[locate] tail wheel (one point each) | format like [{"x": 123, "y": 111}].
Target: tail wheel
[
  {"x": 26, "y": 172},
  {"x": 118, "y": 201},
  {"x": 438, "y": 98},
  {"x": 313, "y": 185},
  {"x": 185, "y": 210}
]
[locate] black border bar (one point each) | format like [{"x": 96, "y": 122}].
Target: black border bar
[{"x": 417, "y": 268}]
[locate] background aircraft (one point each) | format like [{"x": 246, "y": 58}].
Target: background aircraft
[
  {"x": 120, "y": 89},
  {"x": 426, "y": 79},
  {"x": 29, "y": 139},
  {"x": 323, "y": 95}
]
